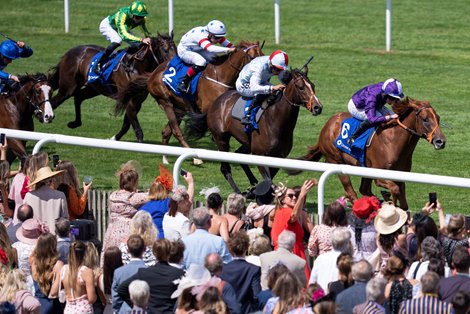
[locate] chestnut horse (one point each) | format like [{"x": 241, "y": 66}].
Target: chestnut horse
[
  {"x": 217, "y": 78},
  {"x": 31, "y": 98},
  {"x": 71, "y": 74},
  {"x": 391, "y": 148},
  {"x": 274, "y": 136}
]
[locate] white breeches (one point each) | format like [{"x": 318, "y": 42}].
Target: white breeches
[
  {"x": 107, "y": 31},
  {"x": 361, "y": 114},
  {"x": 200, "y": 58}
]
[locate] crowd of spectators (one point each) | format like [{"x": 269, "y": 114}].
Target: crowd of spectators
[{"x": 160, "y": 254}]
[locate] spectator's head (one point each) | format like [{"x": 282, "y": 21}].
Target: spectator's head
[
  {"x": 461, "y": 260},
  {"x": 362, "y": 271},
  {"x": 375, "y": 290},
  {"x": 430, "y": 247},
  {"x": 437, "y": 265},
  {"x": 44, "y": 176},
  {"x": 424, "y": 226},
  {"x": 160, "y": 188},
  {"x": 139, "y": 292},
  {"x": 176, "y": 252},
  {"x": 274, "y": 272},
  {"x": 4, "y": 172},
  {"x": 161, "y": 250},
  {"x": 30, "y": 231},
  {"x": 14, "y": 281},
  {"x": 214, "y": 264},
  {"x": 344, "y": 263},
  {"x": 201, "y": 218},
  {"x": 142, "y": 224},
  {"x": 62, "y": 227},
  {"x": 326, "y": 307},
  {"x": 456, "y": 226},
  {"x": 238, "y": 243},
  {"x": 289, "y": 290},
  {"x": 261, "y": 244},
  {"x": 136, "y": 246},
  {"x": 129, "y": 176},
  {"x": 286, "y": 240},
  {"x": 264, "y": 193},
  {"x": 366, "y": 208},
  {"x": 214, "y": 201},
  {"x": 461, "y": 302},
  {"x": 335, "y": 215},
  {"x": 25, "y": 212},
  {"x": 179, "y": 201},
  {"x": 430, "y": 282},
  {"x": 235, "y": 204},
  {"x": 389, "y": 219},
  {"x": 92, "y": 257},
  {"x": 68, "y": 177},
  {"x": 341, "y": 239},
  {"x": 395, "y": 267},
  {"x": 8, "y": 256},
  {"x": 112, "y": 260},
  {"x": 211, "y": 301},
  {"x": 36, "y": 161}
]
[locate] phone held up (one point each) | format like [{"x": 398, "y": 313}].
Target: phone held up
[
  {"x": 55, "y": 160},
  {"x": 183, "y": 172},
  {"x": 433, "y": 199},
  {"x": 87, "y": 179},
  {"x": 2, "y": 139}
]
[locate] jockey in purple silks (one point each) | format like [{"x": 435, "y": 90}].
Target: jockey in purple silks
[{"x": 368, "y": 104}]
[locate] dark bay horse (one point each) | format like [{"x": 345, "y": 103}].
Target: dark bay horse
[
  {"x": 71, "y": 73},
  {"x": 274, "y": 137},
  {"x": 217, "y": 78},
  {"x": 391, "y": 148},
  {"x": 31, "y": 98}
]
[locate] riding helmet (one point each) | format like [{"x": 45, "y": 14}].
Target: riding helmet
[
  {"x": 279, "y": 59},
  {"x": 393, "y": 88},
  {"x": 9, "y": 49},
  {"x": 138, "y": 8},
  {"x": 216, "y": 28}
]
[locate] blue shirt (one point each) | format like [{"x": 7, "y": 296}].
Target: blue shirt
[
  {"x": 370, "y": 99},
  {"x": 157, "y": 209},
  {"x": 24, "y": 52},
  {"x": 427, "y": 304}
]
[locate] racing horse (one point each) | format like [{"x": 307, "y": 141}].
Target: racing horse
[
  {"x": 391, "y": 147},
  {"x": 31, "y": 97},
  {"x": 275, "y": 133},
  {"x": 71, "y": 74},
  {"x": 218, "y": 77}
]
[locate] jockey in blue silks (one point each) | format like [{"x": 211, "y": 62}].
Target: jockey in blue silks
[
  {"x": 368, "y": 104},
  {"x": 9, "y": 51}
]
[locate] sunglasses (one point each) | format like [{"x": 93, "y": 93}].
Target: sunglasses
[{"x": 291, "y": 196}]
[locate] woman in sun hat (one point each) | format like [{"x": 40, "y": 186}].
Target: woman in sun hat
[
  {"x": 361, "y": 224},
  {"x": 388, "y": 223},
  {"x": 48, "y": 203},
  {"x": 27, "y": 236}
]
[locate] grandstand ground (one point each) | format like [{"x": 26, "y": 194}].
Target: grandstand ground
[{"x": 430, "y": 55}]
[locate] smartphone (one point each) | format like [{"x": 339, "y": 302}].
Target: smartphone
[
  {"x": 55, "y": 160},
  {"x": 183, "y": 172},
  {"x": 433, "y": 199},
  {"x": 2, "y": 138},
  {"x": 87, "y": 179}
]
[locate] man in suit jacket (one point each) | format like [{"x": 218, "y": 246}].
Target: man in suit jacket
[
  {"x": 243, "y": 276},
  {"x": 448, "y": 287},
  {"x": 356, "y": 294},
  {"x": 283, "y": 255},
  {"x": 200, "y": 243},
  {"x": 136, "y": 248},
  {"x": 160, "y": 279}
]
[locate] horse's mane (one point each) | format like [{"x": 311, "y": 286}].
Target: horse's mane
[
  {"x": 245, "y": 44},
  {"x": 32, "y": 78},
  {"x": 407, "y": 105},
  {"x": 287, "y": 76}
]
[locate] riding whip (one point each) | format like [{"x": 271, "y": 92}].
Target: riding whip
[{"x": 7, "y": 37}]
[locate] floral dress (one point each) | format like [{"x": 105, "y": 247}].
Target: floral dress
[
  {"x": 79, "y": 305},
  {"x": 122, "y": 205}
]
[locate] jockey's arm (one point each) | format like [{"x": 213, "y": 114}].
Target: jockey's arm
[
  {"x": 208, "y": 46},
  {"x": 259, "y": 87},
  {"x": 225, "y": 42},
  {"x": 25, "y": 51},
  {"x": 371, "y": 113},
  {"x": 4, "y": 75},
  {"x": 144, "y": 28},
  {"x": 121, "y": 26}
]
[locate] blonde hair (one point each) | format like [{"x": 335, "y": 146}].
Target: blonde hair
[
  {"x": 91, "y": 258},
  {"x": 157, "y": 191},
  {"x": 142, "y": 224},
  {"x": 289, "y": 290},
  {"x": 36, "y": 162},
  {"x": 3, "y": 274},
  {"x": 455, "y": 226},
  {"x": 44, "y": 258},
  {"x": 78, "y": 251},
  {"x": 14, "y": 281}
]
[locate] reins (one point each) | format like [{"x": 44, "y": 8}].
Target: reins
[
  {"x": 37, "y": 107},
  {"x": 309, "y": 104},
  {"x": 424, "y": 135}
]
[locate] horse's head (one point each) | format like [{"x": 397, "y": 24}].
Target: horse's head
[
  {"x": 426, "y": 120},
  {"x": 37, "y": 92},
  {"x": 244, "y": 53},
  {"x": 164, "y": 47},
  {"x": 301, "y": 91}
]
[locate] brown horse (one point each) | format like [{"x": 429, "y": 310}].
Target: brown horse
[
  {"x": 391, "y": 148},
  {"x": 71, "y": 73},
  {"x": 217, "y": 78},
  {"x": 31, "y": 98},
  {"x": 274, "y": 136}
]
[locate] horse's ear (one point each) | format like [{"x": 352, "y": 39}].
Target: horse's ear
[
  {"x": 172, "y": 34},
  {"x": 262, "y": 44}
]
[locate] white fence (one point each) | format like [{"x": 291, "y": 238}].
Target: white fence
[{"x": 209, "y": 155}]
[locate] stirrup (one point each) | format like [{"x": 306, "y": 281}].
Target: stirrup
[
  {"x": 183, "y": 88},
  {"x": 351, "y": 140}
]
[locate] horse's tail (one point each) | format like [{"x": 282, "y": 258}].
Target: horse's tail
[
  {"x": 313, "y": 154},
  {"x": 195, "y": 126},
  {"x": 54, "y": 77},
  {"x": 133, "y": 89}
]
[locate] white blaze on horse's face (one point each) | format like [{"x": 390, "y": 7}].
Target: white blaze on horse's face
[{"x": 48, "y": 114}]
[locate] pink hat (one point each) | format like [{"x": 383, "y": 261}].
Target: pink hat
[{"x": 30, "y": 231}]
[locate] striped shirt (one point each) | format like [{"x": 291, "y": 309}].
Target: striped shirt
[
  {"x": 427, "y": 304},
  {"x": 368, "y": 307}
]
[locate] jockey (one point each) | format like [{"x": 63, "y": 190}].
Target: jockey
[
  {"x": 368, "y": 104},
  {"x": 253, "y": 80},
  {"x": 196, "y": 48},
  {"x": 116, "y": 29},
  {"x": 9, "y": 51}
]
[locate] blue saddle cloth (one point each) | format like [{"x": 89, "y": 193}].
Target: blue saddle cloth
[
  {"x": 108, "y": 67},
  {"x": 175, "y": 70},
  {"x": 356, "y": 149},
  {"x": 253, "y": 116}
]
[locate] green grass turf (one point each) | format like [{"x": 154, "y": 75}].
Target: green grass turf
[{"x": 430, "y": 55}]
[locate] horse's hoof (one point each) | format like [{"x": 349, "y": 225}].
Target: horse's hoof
[
  {"x": 74, "y": 124},
  {"x": 140, "y": 140},
  {"x": 113, "y": 138},
  {"x": 165, "y": 160},
  {"x": 197, "y": 162}
]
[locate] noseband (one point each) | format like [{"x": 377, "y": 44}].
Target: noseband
[
  {"x": 245, "y": 50},
  {"x": 424, "y": 135},
  {"x": 37, "y": 111}
]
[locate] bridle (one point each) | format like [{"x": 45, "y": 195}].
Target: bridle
[
  {"x": 309, "y": 104},
  {"x": 37, "y": 111},
  {"x": 425, "y": 135},
  {"x": 248, "y": 58}
]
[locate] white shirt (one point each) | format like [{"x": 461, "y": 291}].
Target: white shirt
[
  {"x": 197, "y": 40},
  {"x": 176, "y": 227},
  {"x": 256, "y": 75},
  {"x": 325, "y": 270}
]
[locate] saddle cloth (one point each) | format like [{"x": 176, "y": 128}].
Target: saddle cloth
[
  {"x": 108, "y": 67},
  {"x": 175, "y": 70},
  {"x": 356, "y": 149},
  {"x": 240, "y": 108}
]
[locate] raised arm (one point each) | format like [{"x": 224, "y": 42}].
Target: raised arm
[{"x": 299, "y": 205}]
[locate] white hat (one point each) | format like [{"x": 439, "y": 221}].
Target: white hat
[
  {"x": 196, "y": 275},
  {"x": 389, "y": 218}
]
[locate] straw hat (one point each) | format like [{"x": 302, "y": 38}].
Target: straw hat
[
  {"x": 44, "y": 173},
  {"x": 389, "y": 218},
  {"x": 30, "y": 231}
]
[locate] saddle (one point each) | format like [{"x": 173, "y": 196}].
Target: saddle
[{"x": 242, "y": 104}]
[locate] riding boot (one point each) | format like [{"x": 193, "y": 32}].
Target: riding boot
[
  {"x": 183, "y": 86},
  {"x": 362, "y": 127},
  {"x": 257, "y": 101},
  {"x": 108, "y": 51}
]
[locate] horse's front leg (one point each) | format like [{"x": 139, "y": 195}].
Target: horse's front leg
[
  {"x": 131, "y": 114},
  {"x": 348, "y": 188},
  {"x": 366, "y": 186},
  {"x": 397, "y": 189},
  {"x": 249, "y": 174},
  {"x": 79, "y": 97},
  {"x": 126, "y": 125}
]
